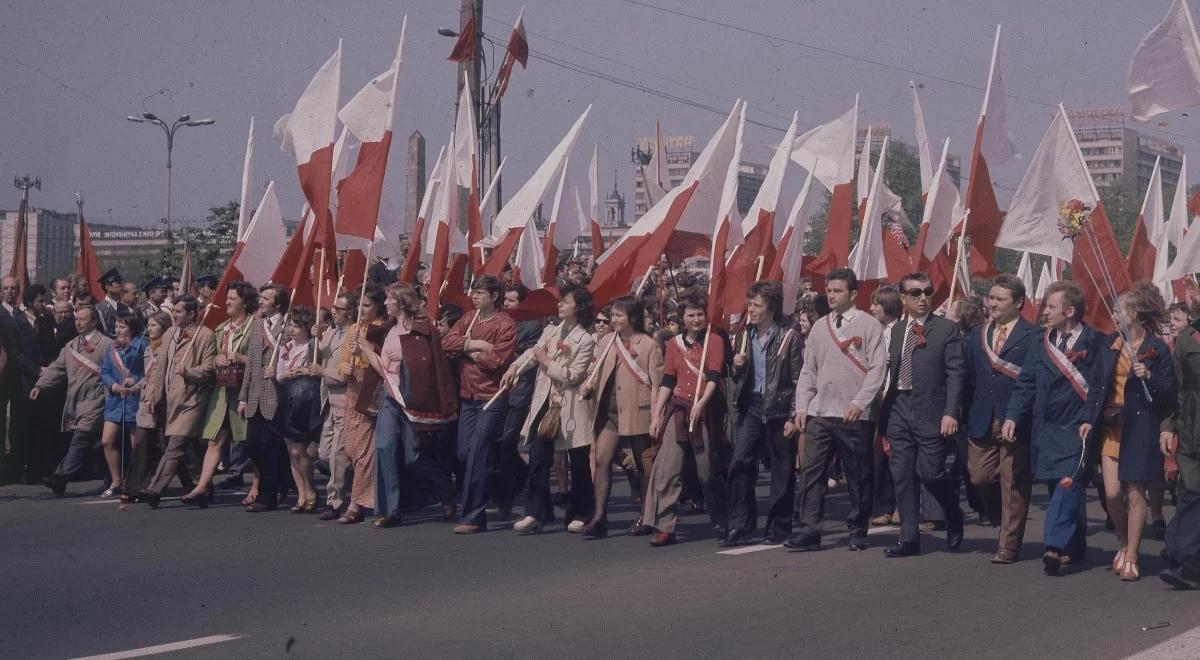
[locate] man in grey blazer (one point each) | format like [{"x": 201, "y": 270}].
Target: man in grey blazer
[
  {"x": 257, "y": 401},
  {"x": 921, "y": 412}
]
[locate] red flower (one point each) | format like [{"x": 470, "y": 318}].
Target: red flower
[
  {"x": 562, "y": 347},
  {"x": 1148, "y": 354}
]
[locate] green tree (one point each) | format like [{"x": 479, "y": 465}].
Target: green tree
[{"x": 210, "y": 245}]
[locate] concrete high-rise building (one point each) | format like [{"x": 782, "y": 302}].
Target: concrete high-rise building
[
  {"x": 414, "y": 181},
  {"x": 680, "y": 156},
  {"x": 1115, "y": 150},
  {"x": 881, "y": 130},
  {"x": 50, "y": 243}
]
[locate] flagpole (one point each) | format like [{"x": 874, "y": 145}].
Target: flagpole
[
  {"x": 700, "y": 376},
  {"x": 961, "y": 238},
  {"x": 637, "y": 293},
  {"x": 745, "y": 331},
  {"x": 317, "y": 310}
]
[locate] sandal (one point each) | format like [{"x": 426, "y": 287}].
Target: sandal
[
  {"x": 351, "y": 517},
  {"x": 1129, "y": 573},
  {"x": 1118, "y": 561},
  {"x": 307, "y": 506},
  {"x": 249, "y": 498}
]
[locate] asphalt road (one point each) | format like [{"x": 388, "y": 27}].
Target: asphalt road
[{"x": 80, "y": 577}]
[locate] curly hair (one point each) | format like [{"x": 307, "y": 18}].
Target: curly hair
[
  {"x": 408, "y": 299},
  {"x": 1147, "y": 306}
]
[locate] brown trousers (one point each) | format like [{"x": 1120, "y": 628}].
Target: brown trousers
[
  {"x": 992, "y": 462},
  {"x": 666, "y": 474}
]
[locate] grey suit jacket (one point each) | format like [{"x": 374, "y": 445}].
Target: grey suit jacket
[
  {"x": 939, "y": 372},
  {"x": 258, "y": 392}
]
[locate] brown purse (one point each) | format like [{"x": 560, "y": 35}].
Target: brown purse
[
  {"x": 230, "y": 376},
  {"x": 551, "y": 425}
]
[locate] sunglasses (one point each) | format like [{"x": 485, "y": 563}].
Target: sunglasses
[
  {"x": 917, "y": 293},
  {"x": 604, "y": 321}
]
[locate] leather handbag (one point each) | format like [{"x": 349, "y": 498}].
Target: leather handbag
[
  {"x": 551, "y": 425},
  {"x": 231, "y": 375}
]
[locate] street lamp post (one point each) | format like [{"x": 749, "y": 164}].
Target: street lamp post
[{"x": 169, "y": 130}]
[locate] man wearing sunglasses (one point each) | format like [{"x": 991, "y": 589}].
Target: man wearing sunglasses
[{"x": 921, "y": 412}]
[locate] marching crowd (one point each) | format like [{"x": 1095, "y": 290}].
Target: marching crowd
[{"x": 401, "y": 411}]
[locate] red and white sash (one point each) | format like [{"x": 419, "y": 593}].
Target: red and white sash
[
  {"x": 118, "y": 362},
  {"x": 634, "y": 368},
  {"x": 268, "y": 336},
  {"x": 1066, "y": 368},
  {"x": 845, "y": 344},
  {"x": 683, "y": 352},
  {"x": 999, "y": 364},
  {"x": 83, "y": 360}
]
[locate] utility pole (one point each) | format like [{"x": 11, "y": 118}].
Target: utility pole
[{"x": 487, "y": 109}]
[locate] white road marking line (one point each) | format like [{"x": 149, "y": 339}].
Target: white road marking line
[
  {"x": 163, "y": 648},
  {"x": 117, "y": 500},
  {"x": 1182, "y": 647},
  {"x": 747, "y": 549}
]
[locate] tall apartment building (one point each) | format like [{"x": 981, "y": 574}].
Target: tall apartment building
[
  {"x": 1115, "y": 150},
  {"x": 680, "y": 156},
  {"x": 50, "y": 241}
]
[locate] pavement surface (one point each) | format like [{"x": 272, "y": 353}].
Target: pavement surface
[{"x": 80, "y": 577}]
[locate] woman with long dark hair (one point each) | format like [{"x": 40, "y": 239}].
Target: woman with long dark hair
[
  {"x": 627, "y": 374},
  {"x": 421, "y": 400},
  {"x": 298, "y": 391},
  {"x": 1131, "y": 423},
  {"x": 557, "y": 414}
]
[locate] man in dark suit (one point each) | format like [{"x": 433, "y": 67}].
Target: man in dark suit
[
  {"x": 995, "y": 352},
  {"x": 922, "y": 420},
  {"x": 1062, "y": 389},
  {"x": 111, "y": 305},
  {"x": 25, "y": 366}
]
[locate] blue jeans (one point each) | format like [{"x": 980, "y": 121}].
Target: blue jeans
[
  {"x": 419, "y": 472},
  {"x": 478, "y": 430},
  {"x": 1064, "y": 517}
]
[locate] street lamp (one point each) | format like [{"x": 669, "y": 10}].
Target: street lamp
[{"x": 169, "y": 130}]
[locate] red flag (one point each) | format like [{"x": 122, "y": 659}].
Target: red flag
[
  {"x": 464, "y": 48},
  {"x": 517, "y": 51},
  {"x": 289, "y": 261},
  {"x": 20, "y": 262},
  {"x": 828, "y": 152},
  {"x": 317, "y": 267},
  {"x": 1087, "y": 266},
  {"x": 86, "y": 263},
  {"x": 1150, "y": 221},
  {"x": 354, "y": 270}
]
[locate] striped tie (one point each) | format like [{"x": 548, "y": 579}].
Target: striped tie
[{"x": 904, "y": 378}]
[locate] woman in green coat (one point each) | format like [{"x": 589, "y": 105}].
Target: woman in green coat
[{"x": 221, "y": 422}]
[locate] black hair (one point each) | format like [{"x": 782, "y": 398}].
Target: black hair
[
  {"x": 304, "y": 317},
  {"x": 31, "y": 292},
  {"x": 189, "y": 303},
  {"x": 450, "y": 313},
  {"x": 846, "y": 275},
  {"x": 521, "y": 290},
  {"x": 585, "y": 305},
  {"x": 283, "y": 298},
  {"x": 633, "y": 309},
  {"x": 131, "y": 321},
  {"x": 772, "y": 293},
  {"x": 247, "y": 294},
  {"x": 492, "y": 285}
]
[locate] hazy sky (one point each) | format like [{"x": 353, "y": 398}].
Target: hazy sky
[{"x": 72, "y": 71}]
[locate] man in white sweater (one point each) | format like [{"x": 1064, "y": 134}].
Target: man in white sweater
[{"x": 844, "y": 366}]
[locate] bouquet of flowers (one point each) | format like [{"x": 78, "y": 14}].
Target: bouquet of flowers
[{"x": 1072, "y": 216}]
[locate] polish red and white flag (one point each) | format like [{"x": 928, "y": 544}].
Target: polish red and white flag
[
  {"x": 265, "y": 235},
  {"x": 369, "y": 117},
  {"x": 1148, "y": 229},
  {"x": 680, "y": 224},
  {"x": 517, "y": 51},
  {"x": 994, "y": 147},
  {"x": 244, "y": 212},
  {"x": 309, "y": 130},
  {"x": 466, "y": 169},
  {"x": 412, "y": 260},
  {"x": 828, "y": 152}
]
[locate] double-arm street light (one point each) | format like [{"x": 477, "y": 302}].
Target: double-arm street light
[{"x": 169, "y": 130}]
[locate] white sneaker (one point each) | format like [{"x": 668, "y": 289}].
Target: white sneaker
[
  {"x": 576, "y": 526},
  {"x": 524, "y": 524}
]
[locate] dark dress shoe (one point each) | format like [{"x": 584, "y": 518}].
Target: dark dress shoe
[
  {"x": 774, "y": 538},
  {"x": 259, "y": 507},
  {"x": 151, "y": 498},
  {"x": 638, "y": 529},
  {"x": 595, "y": 529},
  {"x": 662, "y": 538},
  {"x": 803, "y": 542},
  {"x": 1051, "y": 562},
  {"x": 902, "y": 549},
  {"x": 328, "y": 513},
  {"x": 56, "y": 484},
  {"x": 734, "y": 537},
  {"x": 859, "y": 542},
  {"x": 1179, "y": 578},
  {"x": 954, "y": 530},
  {"x": 1158, "y": 530}
]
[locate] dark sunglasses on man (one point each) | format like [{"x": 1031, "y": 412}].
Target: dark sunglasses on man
[{"x": 917, "y": 293}]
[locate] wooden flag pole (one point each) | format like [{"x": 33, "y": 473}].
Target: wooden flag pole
[
  {"x": 961, "y": 237},
  {"x": 642, "y": 285},
  {"x": 700, "y": 377},
  {"x": 317, "y": 307}
]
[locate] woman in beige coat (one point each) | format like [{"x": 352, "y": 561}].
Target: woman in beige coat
[
  {"x": 628, "y": 371},
  {"x": 557, "y": 414}
]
